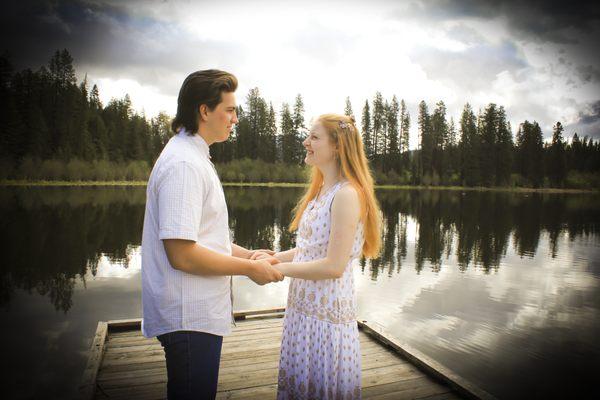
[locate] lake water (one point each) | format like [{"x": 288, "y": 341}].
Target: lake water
[{"x": 502, "y": 288}]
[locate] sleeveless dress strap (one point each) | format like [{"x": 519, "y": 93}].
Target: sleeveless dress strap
[{"x": 337, "y": 187}]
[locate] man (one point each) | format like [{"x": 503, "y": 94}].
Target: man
[{"x": 187, "y": 256}]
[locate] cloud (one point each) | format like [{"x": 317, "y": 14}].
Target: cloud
[
  {"x": 451, "y": 50},
  {"x": 108, "y": 40},
  {"x": 587, "y": 121},
  {"x": 591, "y": 114},
  {"x": 588, "y": 73},
  {"x": 559, "y": 22},
  {"x": 473, "y": 68}
]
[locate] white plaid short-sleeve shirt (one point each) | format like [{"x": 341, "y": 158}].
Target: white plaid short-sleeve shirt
[{"x": 184, "y": 200}]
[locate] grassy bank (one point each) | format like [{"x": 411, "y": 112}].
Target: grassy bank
[
  {"x": 245, "y": 172},
  {"x": 296, "y": 185}
]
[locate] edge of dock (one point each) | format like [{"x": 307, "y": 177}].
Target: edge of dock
[{"x": 426, "y": 364}]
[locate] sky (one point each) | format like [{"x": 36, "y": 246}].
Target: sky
[{"x": 538, "y": 59}]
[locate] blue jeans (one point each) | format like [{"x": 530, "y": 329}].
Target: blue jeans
[{"x": 192, "y": 364}]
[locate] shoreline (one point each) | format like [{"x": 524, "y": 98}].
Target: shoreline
[{"x": 22, "y": 183}]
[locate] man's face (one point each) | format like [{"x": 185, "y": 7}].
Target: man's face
[{"x": 221, "y": 120}]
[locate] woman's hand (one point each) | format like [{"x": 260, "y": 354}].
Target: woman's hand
[
  {"x": 265, "y": 255},
  {"x": 253, "y": 253}
]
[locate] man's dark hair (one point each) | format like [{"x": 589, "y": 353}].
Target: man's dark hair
[{"x": 200, "y": 87}]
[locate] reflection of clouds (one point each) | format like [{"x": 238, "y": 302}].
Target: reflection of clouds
[
  {"x": 109, "y": 269},
  {"x": 487, "y": 325},
  {"x": 248, "y": 295},
  {"x": 383, "y": 299}
]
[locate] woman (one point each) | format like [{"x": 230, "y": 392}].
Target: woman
[{"x": 337, "y": 221}]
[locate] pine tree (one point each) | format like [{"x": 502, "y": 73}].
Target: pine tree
[
  {"x": 469, "y": 148},
  {"x": 366, "y": 130},
  {"x": 439, "y": 139},
  {"x": 241, "y": 134},
  {"x": 378, "y": 122},
  {"x": 160, "y": 134},
  {"x": 288, "y": 138},
  {"x": 393, "y": 150},
  {"x": 504, "y": 149},
  {"x": 557, "y": 157},
  {"x": 576, "y": 159},
  {"x": 95, "y": 103},
  {"x": 488, "y": 135},
  {"x": 381, "y": 161},
  {"x": 530, "y": 152},
  {"x": 83, "y": 146},
  {"x": 425, "y": 163},
  {"x": 452, "y": 150},
  {"x": 270, "y": 139},
  {"x": 299, "y": 136},
  {"x": 404, "y": 133},
  {"x": 256, "y": 114},
  {"x": 348, "y": 107}
]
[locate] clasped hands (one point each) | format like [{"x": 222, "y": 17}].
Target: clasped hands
[{"x": 264, "y": 272}]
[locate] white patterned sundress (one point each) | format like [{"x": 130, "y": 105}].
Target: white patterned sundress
[{"x": 320, "y": 349}]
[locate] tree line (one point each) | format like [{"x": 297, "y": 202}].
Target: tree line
[
  {"x": 480, "y": 151},
  {"x": 55, "y": 128},
  {"x": 49, "y": 121}
]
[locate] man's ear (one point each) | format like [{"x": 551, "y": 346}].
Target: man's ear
[{"x": 203, "y": 111}]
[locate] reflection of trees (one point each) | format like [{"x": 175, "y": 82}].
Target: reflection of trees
[
  {"x": 429, "y": 211},
  {"x": 527, "y": 224},
  {"x": 483, "y": 227},
  {"x": 51, "y": 236},
  {"x": 480, "y": 224},
  {"x": 256, "y": 214}
]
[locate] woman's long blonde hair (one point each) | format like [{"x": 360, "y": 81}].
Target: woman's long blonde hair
[{"x": 354, "y": 166}]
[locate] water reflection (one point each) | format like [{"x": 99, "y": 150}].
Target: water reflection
[
  {"x": 478, "y": 226},
  {"x": 504, "y": 288},
  {"x": 51, "y": 237}
]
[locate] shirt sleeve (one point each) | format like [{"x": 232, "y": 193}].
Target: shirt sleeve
[{"x": 180, "y": 200}]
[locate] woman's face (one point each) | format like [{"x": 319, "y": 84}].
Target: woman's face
[{"x": 319, "y": 148}]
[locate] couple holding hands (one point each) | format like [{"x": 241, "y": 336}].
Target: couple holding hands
[{"x": 188, "y": 259}]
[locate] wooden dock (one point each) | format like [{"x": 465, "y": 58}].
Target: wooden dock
[{"x": 123, "y": 364}]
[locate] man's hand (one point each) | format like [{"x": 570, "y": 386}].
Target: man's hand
[
  {"x": 263, "y": 272},
  {"x": 252, "y": 254},
  {"x": 264, "y": 255}
]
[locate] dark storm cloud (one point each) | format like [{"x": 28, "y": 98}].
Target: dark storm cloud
[
  {"x": 588, "y": 122},
  {"x": 32, "y": 31},
  {"x": 104, "y": 37},
  {"x": 588, "y": 73},
  {"x": 545, "y": 20},
  {"x": 591, "y": 115}
]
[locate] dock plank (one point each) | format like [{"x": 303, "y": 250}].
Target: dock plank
[{"x": 133, "y": 367}]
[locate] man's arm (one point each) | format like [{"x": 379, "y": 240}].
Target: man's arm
[{"x": 190, "y": 257}]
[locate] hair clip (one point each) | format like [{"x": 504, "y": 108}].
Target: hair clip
[{"x": 343, "y": 125}]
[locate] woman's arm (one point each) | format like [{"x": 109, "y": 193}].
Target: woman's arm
[
  {"x": 345, "y": 214},
  {"x": 285, "y": 256},
  {"x": 239, "y": 251},
  {"x": 242, "y": 252}
]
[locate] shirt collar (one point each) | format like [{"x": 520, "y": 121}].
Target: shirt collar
[{"x": 198, "y": 141}]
